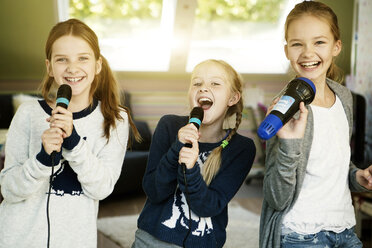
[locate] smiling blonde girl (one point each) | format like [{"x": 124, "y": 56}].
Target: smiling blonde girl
[{"x": 309, "y": 175}]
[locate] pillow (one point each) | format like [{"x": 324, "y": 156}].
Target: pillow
[
  {"x": 6, "y": 110},
  {"x": 146, "y": 135},
  {"x": 22, "y": 98}
]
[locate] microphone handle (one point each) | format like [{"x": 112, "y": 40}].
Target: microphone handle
[{"x": 188, "y": 145}]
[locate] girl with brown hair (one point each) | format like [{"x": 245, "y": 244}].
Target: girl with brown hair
[{"x": 86, "y": 142}]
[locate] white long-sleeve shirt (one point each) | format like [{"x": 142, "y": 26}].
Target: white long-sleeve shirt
[
  {"x": 85, "y": 173},
  {"x": 325, "y": 201}
]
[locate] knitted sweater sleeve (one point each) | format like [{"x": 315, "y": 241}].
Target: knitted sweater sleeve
[
  {"x": 208, "y": 201},
  {"x": 98, "y": 173},
  {"x": 160, "y": 179},
  {"x": 282, "y": 160},
  {"x": 23, "y": 174}
]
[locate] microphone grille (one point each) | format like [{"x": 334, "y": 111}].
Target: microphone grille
[
  {"x": 64, "y": 91},
  {"x": 196, "y": 116},
  {"x": 197, "y": 112}
]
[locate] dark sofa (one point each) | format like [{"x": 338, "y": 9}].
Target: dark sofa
[{"x": 130, "y": 180}]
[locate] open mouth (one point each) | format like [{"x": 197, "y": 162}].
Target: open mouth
[
  {"x": 310, "y": 65},
  {"x": 74, "y": 79},
  {"x": 205, "y": 103}
]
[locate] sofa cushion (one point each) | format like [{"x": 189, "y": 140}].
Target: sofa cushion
[
  {"x": 144, "y": 130},
  {"x": 19, "y": 99},
  {"x": 6, "y": 110}
]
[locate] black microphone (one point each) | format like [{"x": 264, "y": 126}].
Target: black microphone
[
  {"x": 298, "y": 90},
  {"x": 63, "y": 99},
  {"x": 196, "y": 118},
  {"x": 64, "y": 95}
]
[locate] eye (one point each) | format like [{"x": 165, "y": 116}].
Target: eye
[
  {"x": 296, "y": 44},
  {"x": 196, "y": 82},
  {"x": 61, "y": 60},
  {"x": 319, "y": 42},
  {"x": 215, "y": 83},
  {"x": 83, "y": 58}
]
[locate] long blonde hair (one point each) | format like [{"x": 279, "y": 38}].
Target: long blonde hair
[
  {"x": 213, "y": 162},
  {"x": 324, "y": 12},
  {"x": 104, "y": 86}
]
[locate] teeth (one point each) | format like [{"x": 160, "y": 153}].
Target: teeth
[
  {"x": 73, "y": 80},
  {"x": 205, "y": 102},
  {"x": 309, "y": 64},
  {"x": 204, "y": 99}
]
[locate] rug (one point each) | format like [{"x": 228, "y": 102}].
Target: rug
[{"x": 242, "y": 229}]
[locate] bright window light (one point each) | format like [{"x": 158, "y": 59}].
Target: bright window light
[
  {"x": 138, "y": 35},
  {"x": 133, "y": 35},
  {"x": 247, "y": 34}
]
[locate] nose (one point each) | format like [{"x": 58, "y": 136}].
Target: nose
[
  {"x": 203, "y": 88},
  {"x": 72, "y": 68},
  {"x": 308, "y": 51}
]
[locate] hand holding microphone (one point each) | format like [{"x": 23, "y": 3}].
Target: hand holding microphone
[
  {"x": 294, "y": 128},
  {"x": 61, "y": 117},
  {"x": 60, "y": 122},
  {"x": 298, "y": 93},
  {"x": 189, "y": 135}
]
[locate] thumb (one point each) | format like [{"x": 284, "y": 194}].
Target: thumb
[
  {"x": 303, "y": 112},
  {"x": 367, "y": 174}
]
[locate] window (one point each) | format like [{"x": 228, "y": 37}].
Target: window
[
  {"x": 175, "y": 35},
  {"x": 247, "y": 34},
  {"x": 133, "y": 35}
]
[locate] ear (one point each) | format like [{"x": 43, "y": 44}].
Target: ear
[
  {"x": 286, "y": 51},
  {"x": 48, "y": 67},
  {"x": 337, "y": 48},
  {"x": 98, "y": 65},
  {"x": 234, "y": 99}
]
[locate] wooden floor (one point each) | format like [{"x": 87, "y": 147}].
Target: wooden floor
[{"x": 249, "y": 197}]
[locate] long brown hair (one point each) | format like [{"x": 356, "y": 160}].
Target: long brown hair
[
  {"x": 104, "y": 86},
  {"x": 324, "y": 12},
  {"x": 213, "y": 162}
]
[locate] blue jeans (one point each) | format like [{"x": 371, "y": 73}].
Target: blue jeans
[{"x": 323, "y": 239}]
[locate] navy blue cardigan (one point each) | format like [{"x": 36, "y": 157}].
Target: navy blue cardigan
[{"x": 165, "y": 214}]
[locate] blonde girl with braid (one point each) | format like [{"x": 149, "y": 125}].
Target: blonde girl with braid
[{"x": 216, "y": 165}]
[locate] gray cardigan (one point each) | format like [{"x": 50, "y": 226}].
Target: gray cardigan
[{"x": 286, "y": 161}]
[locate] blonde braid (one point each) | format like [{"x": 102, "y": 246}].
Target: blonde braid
[{"x": 213, "y": 162}]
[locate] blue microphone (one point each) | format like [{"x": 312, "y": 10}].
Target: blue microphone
[{"x": 298, "y": 90}]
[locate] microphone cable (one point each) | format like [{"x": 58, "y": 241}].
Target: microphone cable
[
  {"x": 64, "y": 94},
  {"x": 188, "y": 205},
  {"x": 48, "y": 198}
]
